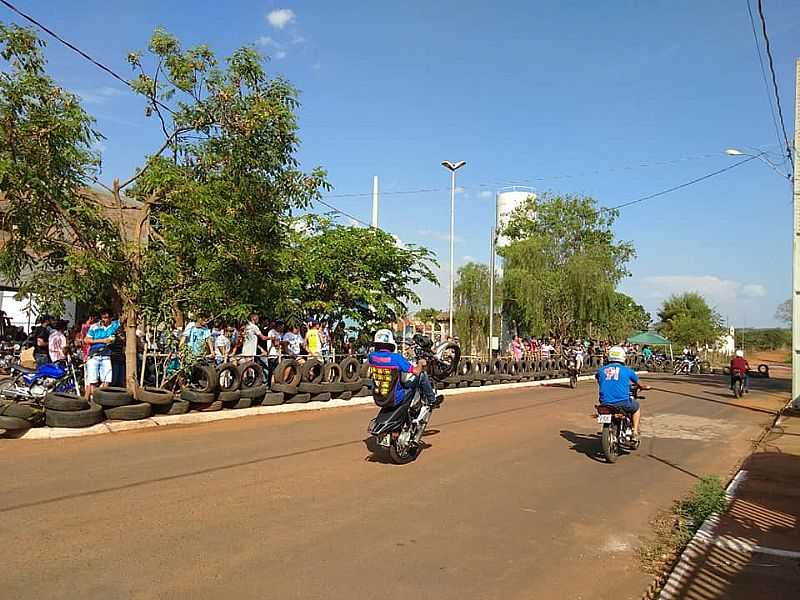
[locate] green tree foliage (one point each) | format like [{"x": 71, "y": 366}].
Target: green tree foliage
[
  {"x": 471, "y": 307},
  {"x": 625, "y": 318},
  {"x": 562, "y": 265},
  {"x": 763, "y": 339},
  {"x": 427, "y": 315},
  {"x": 687, "y": 319},
  {"x": 784, "y": 312},
  {"x": 355, "y": 273}
]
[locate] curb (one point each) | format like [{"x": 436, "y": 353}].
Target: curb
[{"x": 53, "y": 433}]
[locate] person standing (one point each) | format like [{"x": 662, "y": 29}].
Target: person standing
[
  {"x": 291, "y": 342},
  {"x": 57, "y": 343},
  {"x": 90, "y": 320},
  {"x": 252, "y": 334},
  {"x": 273, "y": 349},
  {"x": 222, "y": 344},
  {"x": 516, "y": 349},
  {"x": 313, "y": 341},
  {"x": 100, "y": 337},
  {"x": 41, "y": 336}
]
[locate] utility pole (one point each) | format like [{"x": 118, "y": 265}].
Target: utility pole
[
  {"x": 796, "y": 248},
  {"x": 491, "y": 290},
  {"x": 375, "y": 201}
]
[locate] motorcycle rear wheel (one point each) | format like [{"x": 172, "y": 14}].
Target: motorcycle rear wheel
[
  {"x": 609, "y": 442},
  {"x": 573, "y": 381},
  {"x": 738, "y": 388}
]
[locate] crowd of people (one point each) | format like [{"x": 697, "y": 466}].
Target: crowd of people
[{"x": 531, "y": 348}]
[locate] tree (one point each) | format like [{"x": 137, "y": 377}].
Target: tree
[
  {"x": 210, "y": 229},
  {"x": 471, "y": 306},
  {"x": 687, "y": 319},
  {"x": 625, "y": 318},
  {"x": 426, "y": 315},
  {"x": 784, "y": 312},
  {"x": 562, "y": 265},
  {"x": 377, "y": 284}
]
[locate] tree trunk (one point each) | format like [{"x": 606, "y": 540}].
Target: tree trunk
[{"x": 130, "y": 346}]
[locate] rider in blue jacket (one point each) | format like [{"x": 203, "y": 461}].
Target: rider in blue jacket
[{"x": 392, "y": 373}]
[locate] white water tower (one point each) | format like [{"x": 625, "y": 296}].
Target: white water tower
[{"x": 507, "y": 202}]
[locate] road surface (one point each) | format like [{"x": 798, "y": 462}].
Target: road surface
[{"x": 511, "y": 500}]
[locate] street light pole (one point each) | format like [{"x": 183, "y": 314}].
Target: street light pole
[
  {"x": 453, "y": 167},
  {"x": 796, "y": 248}
]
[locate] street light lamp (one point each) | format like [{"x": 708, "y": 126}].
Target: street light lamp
[
  {"x": 761, "y": 156},
  {"x": 453, "y": 167}
]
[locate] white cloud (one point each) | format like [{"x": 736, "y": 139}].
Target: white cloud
[
  {"x": 441, "y": 236},
  {"x": 298, "y": 39},
  {"x": 733, "y": 299},
  {"x": 280, "y": 54},
  {"x": 486, "y": 194},
  {"x": 316, "y": 66},
  {"x": 266, "y": 40},
  {"x": 100, "y": 95},
  {"x": 281, "y": 17},
  {"x": 398, "y": 242}
]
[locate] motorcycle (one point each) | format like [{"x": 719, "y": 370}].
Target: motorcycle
[
  {"x": 572, "y": 370},
  {"x": 738, "y": 382},
  {"x": 9, "y": 355},
  {"x": 442, "y": 359},
  {"x": 34, "y": 384},
  {"x": 690, "y": 364},
  {"x": 617, "y": 433},
  {"x": 399, "y": 429}
]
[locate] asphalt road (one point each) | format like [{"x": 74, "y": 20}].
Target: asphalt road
[{"x": 511, "y": 500}]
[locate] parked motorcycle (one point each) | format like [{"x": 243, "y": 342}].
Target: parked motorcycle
[
  {"x": 26, "y": 384},
  {"x": 617, "y": 433},
  {"x": 690, "y": 364}
]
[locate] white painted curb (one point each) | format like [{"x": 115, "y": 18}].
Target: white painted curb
[{"x": 52, "y": 433}]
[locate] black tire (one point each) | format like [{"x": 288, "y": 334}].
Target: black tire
[
  {"x": 228, "y": 378},
  {"x": 353, "y": 386},
  {"x": 254, "y": 392},
  {"x": 153, "y": 395},
  {"x": 363, "y": 370},
  {"x": 403, "y": 459},
  {"x": 763, "y": 370},
  {"x": 312, "y": 388},
  {"x": 282, "y": 388},
  {"x": 298, "y": 399},
  {"x": 194, "y": 396},
  {"x": 287, "y": 372},
  {"x": 178, "y": 407},
  {"x": 75, "y": 418},
  {"x": 311, "y": 371},
  {"x": 13, "y": 424},
  {"x": 65, "y": 402},
  {"x": 131, "y": 412},
  {"x": 207, "y": 406},
  {"x": 240, "y": 403},
  {"x": 573, "y": 381},
  {"x": 335, "y": 388},
  {"x": 204, "y": 378},
  {"x": 20, "y": 410},
  {"x": 251, "y": 374},
  {"x": 363, "y": 392},
  {"x": 608, "y": 441},
  {"x": 331, "y": 373},
  {"x": 738, "y": 388},
  {"x": 110, "y": 397},
  {"x": 350, "y": 370},
  {"x": 272, "y": 399},
  {"x": 344, "y": 396},
  {"x": 324, "y": 397},
  {"x": 233, "y": 396}
]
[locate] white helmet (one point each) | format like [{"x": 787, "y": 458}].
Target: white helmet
[
  {"x": 616, "y": 354},
  {"x": 740, "y": 353},
  {"x": 385, "y": 337}
]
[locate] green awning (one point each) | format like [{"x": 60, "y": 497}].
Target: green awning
[{"x": 651, "y": 338}]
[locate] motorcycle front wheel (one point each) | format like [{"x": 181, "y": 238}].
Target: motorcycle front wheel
[
  {"x": 573, "y": 381},
  {"x": 403, "y": 458},
  {"x": 609, "y": 442}
]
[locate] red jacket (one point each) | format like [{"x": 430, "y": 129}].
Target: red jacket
[{"x": 739, "y": 364}]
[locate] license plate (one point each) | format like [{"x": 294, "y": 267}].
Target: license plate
[
  {"x": 604, "y": 419},
  {"x": 385, "y": 440}
]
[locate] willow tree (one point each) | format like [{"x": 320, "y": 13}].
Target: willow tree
[
  {"x": 562, "y": 265},
  {"x": 471, "y": 307},
  {"x": 207, "y": 228}
]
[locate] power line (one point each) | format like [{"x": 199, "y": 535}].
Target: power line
[
  {"x": 341, "y": 212},
  {"x": 77, "y": 50},
  {"x": 775, "y": 84},
  {"x": 764, "y": 76},
  {"x": 680, "y": 186}
]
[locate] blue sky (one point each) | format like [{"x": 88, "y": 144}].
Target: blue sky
[{"x": 613, "y": 99}]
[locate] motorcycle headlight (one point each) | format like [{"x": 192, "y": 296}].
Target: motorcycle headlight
[{"x": 17, "y": 347}]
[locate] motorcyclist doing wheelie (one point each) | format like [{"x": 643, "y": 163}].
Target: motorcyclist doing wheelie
[
  {"x": 614, "y": 382},
  {"x": 406, "y": 379}
]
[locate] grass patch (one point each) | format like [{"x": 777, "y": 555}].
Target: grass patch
[{"x": 674, "y": 528}]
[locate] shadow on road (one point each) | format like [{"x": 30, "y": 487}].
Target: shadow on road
[{"x": 585, "y": 444}]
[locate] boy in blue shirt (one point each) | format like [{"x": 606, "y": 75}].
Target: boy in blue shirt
[
  {"x": 98, "y": 366},
  {"x": 614, "y": 382},
  {"x": 388, "y": 368}
]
